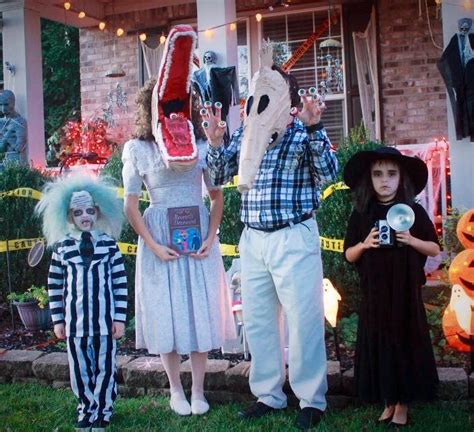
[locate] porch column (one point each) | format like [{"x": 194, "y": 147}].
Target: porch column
[
  {"x": 462, "y": 152},
  {"x": 222, "y": 40},
  {"x": 22, "y": 48}
]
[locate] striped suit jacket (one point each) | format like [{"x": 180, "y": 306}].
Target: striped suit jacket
[{"x": 87, "y": 299}]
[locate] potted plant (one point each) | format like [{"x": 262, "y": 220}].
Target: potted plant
[{"x": 32, "y": 305}]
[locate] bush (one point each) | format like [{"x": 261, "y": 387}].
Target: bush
[
  {"x": 332, "y": 219},
  {"x": 19, "y": 222}
]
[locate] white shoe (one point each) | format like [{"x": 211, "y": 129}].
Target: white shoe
[
  {"x": 179, "y": 405},
  {"x": 199, "y": 406}
]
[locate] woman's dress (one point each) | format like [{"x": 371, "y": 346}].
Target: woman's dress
[{"x": 182, "y": 305}]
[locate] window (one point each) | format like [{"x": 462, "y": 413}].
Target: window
[{"x": 318, "y": 67}]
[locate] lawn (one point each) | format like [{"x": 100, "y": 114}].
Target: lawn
[{"x": 32, "y": 408}]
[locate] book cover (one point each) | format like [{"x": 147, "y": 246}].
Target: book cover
[{"x": 185, "y": 229}]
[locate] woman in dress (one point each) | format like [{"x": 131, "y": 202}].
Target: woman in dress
[
  {"x": 394, "y": 361},
  {"x": 182, "y": 304}
]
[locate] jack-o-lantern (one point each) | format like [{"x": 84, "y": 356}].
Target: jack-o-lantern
[
  {"x": 465, "y": 229},
  {"x": 461, "y": 271}
]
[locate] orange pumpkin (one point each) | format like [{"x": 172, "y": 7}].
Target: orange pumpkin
[
  {"x": 461, "y": 271},
  {"x": 465, "y": 229},
  {"x": 455, "y": 335}
]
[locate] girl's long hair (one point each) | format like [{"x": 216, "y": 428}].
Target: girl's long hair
[
  {"x": 364, "y": 194},
  {"x": 143, "y": 113}
]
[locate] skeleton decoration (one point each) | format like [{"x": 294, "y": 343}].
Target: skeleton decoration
[
  {"x": 266, "y": 116},
  {"x": 171, "y": 116},
  {"x": 13, "y": 132}
]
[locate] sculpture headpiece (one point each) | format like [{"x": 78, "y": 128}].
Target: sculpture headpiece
[
  {"x": 266, "y": 116},
  {"x": 171, "y": 122},
  {"x": 66, "y": 194}
]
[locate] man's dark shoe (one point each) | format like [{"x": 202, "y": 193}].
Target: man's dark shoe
[
  {"x": 308, "y": 418},
  {"x": 256, "y": 410}
]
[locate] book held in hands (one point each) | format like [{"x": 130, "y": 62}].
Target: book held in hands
[{"x": 185, "y": 229}]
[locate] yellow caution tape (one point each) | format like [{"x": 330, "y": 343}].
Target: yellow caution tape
[
  {"x": 143, "y": 196},
  {"x": 334, "y": 187},
  {"x": 331, "y": 244},
  {"x": 229, "y": 250},
  {"x": 23, "y": 192},
  {"x": 19, "y": 244}
]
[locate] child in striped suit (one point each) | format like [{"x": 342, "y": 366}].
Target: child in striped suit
[{"x": 87, "y": 287}]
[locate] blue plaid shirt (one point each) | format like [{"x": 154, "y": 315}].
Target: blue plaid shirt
[{"x": 288, "y": 182}]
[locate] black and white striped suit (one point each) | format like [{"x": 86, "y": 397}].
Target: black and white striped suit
[{"x": 88, "y": 299}]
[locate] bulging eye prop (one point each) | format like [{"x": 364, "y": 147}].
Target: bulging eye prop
[
  {"x": 207, "y": 104},
  {"x": 205, "y": 124},
  {"x": 312, "y": 91},
  {"x": 301, "y": 92},
  {"x": 203, "y": 111},
  {"x": 218, "y": 105},
  {"x": 222, "y": 124},
  {"x": 173, "y": 116}
]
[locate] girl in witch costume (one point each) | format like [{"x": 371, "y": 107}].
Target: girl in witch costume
[
  {"x": 182, "y": 303},
  {"x": 394, "y": 361},
  {"x": 87, "y": 288}
]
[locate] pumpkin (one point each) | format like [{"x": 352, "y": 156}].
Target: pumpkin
[
  {"x": 461, "y": 271},
  {"x": 465, "y": 229},
  {"x": 457, "y": 338}
]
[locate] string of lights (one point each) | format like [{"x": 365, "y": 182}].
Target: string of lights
[{"x": 119, "y": 31}]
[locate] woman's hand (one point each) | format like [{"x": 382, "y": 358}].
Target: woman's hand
[
  {"x": 372, "y": 240},
  {"x": 313, "y": 106},
  {"x": 204, "y": 250},
  {"x": 213, "y": 125},
  {"x": 164, "y": 253},
  {"x": 405, "y": 238}
]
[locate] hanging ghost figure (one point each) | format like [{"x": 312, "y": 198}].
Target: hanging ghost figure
[{"x": 265, "y": 119}]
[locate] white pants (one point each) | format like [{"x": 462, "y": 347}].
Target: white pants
[{"x": 283, "y": 269}]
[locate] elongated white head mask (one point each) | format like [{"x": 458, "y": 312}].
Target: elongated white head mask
[{"x": 266, "y": 117}]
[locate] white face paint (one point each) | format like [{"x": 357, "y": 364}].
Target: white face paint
[
  {"x": 83, "y": 211},
  {"x": 266, "y": 117}
]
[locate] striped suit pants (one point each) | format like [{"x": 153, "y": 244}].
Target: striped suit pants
[{"x": 92, "y": 369}]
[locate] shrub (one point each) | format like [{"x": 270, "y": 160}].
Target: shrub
[
  {"x": 19, "y": 222},
  {"x": 332, "y": 219}
]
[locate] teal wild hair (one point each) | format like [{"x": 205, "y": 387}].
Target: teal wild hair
[{"x": 54, "y": 207}]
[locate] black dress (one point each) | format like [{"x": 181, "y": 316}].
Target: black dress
[{"x": 394, "y": 360}]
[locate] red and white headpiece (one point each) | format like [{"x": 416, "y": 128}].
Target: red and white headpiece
[{"x": 171, "y": 115}]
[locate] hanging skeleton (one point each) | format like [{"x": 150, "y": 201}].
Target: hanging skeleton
[
  {"x": 171, "y": 118},
  {"x": 266, "y": 116}
]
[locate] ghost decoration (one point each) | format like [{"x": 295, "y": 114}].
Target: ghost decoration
[
  {"x": 266, "y": 115},
  {"x": 331, "y": 302},
  {"x": 458, "y": 321}
]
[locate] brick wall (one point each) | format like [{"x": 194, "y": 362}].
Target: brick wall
[
  {"x": 413, "y": 93},
  {"x": 97, "y": 57}
]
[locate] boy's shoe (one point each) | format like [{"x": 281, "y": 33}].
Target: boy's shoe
[
  {"x": 83, "y": 426},
  {"x": 99, "y": 425},
  {"x": 308, "y": 418}
]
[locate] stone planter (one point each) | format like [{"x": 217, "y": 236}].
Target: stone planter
[{"x": 32, "y": 316}]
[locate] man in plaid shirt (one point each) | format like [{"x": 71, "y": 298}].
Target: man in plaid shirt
[{"x": 280, "y": 255}]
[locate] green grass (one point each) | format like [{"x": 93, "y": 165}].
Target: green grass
[{"x": 37, "y": 408}]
